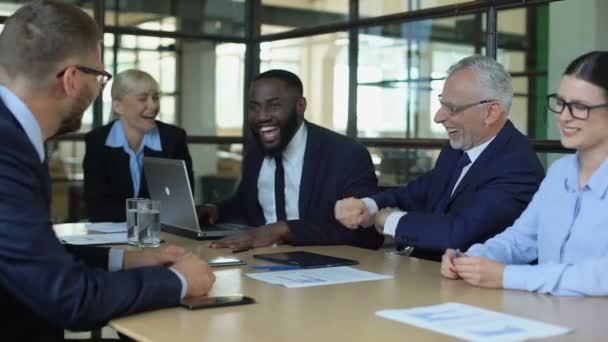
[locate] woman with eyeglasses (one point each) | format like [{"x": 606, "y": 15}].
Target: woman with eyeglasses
[
  {"x": 114, "y": 153},
  {"x": 565, "y": 227}
]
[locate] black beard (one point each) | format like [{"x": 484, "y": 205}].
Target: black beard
[{"x": 287, "y": 133}]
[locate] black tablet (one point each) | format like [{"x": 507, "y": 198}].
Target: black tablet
[{"x": 305, "y": 259}]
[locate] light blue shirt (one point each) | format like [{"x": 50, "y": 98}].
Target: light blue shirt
[
  {"x": 565, "y": 227},
  {"x": 118, "y": 138},
  {"x": 26, "y": 119}
]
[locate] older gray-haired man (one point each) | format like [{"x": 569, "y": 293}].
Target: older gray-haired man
[{"x": 482, "y": 181}]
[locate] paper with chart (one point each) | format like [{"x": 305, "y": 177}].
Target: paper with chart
[
  {"x": 317, "y": 276},
  {"x": 107, "y": 227},
  {"x": 472, "y": 323},
  {"x": 96, "y": 239}
]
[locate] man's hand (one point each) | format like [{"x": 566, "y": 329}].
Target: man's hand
[
  {"x": 447, "y": 264},
  {"x": 207, "y": 214},
  {"x": 198, "y": 274},
  {"x": 381, "y": 217},
  {"x": 480, "y": 271},
  {"x": 352, "y": 213},
  {"x": 161, "y": 256},
  {"x": 258, "y": 237}
]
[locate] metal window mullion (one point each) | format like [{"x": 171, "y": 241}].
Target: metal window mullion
[{"x": 353, "y": 66}]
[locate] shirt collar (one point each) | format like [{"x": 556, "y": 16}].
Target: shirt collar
[
  {"x": 118, "y": 138},
  {"x": 597, "y": 184},
  {"x": 476, "y": 151},
  {"x": 297, "y": 146},
  {"x": 25, "y": 117}
]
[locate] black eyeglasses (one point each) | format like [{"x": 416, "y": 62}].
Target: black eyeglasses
[
  {"x": 453, "y": 110},
  {"x": 102, "y": 76},
  {"x": 578, "y": 110}
]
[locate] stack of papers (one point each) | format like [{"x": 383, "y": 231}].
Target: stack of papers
[
  {"x": 107, "y": 227},
  {"x": 472, "y": 323},
  {"x": 96, "y": 239},
  {"x": 317, "y": 276}
]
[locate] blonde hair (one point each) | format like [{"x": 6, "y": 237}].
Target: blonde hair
[{"x": 132, "y": 80}]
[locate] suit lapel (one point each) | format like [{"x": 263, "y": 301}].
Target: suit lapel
[
  {"x": 449, "y": 158},
  {"x": 312, "y": 160},
  {"x": 252, "y": 165},
  {"x": 479, "y": 166},
  {"x": 122, "y": 168}
]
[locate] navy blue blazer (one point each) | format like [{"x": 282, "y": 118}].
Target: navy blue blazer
[
  {"x": 107, "y": 175},
  {"x": 335, "y": 167},
  {"x": 488, "y": 199},
  {"x": 44, "y": 287}
]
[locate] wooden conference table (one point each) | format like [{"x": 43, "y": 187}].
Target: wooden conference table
[{"x": 346, "y": 312}]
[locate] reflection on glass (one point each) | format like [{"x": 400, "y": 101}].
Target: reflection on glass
[
  {"x": 281, "y": 15},
  {"x": 321, "y": 62},
  {"x": 220, "y": 17},
  {"x": 375, "y": 8},
  {"x": 401, "y": 72}
]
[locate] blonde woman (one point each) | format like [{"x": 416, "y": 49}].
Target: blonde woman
[{"x": 114, "y": 153}]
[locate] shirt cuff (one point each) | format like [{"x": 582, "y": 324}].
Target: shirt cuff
[
  {"x": 390, "y": 225},
  {"x": 372, "y": 208},
  {"x": 115, "y": 259},
  {"x": 514, "y": 277},
  {"x": 183, "y": 281},
  {"x": 477, "y": 249}
]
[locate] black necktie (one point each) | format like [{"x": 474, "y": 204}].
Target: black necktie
[
  {"x": 279, "y": 189},
  {"x": 445, "y": 199}
]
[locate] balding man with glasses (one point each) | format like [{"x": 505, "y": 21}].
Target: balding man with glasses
[
  {"x": 482, "y": 181},
  {"x": 50, "y": 72}
]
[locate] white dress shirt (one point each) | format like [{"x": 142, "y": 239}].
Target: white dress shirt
[
  {"x": 390, "y": 225},
  {"x": 293, "y": 162}
]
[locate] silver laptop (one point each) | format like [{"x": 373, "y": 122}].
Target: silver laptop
[{"x": 168, "y": 182}]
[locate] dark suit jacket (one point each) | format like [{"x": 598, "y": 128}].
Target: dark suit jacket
[
  {"x": 492, "y": 194},
  {"x": 335, "y": 167},
  {"x": 45, "y": 288},
  {"x": 107, "y": 176}
]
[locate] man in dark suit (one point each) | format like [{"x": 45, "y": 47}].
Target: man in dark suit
[
  {"x": 482, "y": 181},
  {"x": 50, "y": 72},
  {"x": 293, "y": 172}
]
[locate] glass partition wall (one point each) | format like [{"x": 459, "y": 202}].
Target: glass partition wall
[{"x": 372, "y": 69}]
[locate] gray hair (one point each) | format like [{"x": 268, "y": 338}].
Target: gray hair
[{"x": 494, "y": 80}]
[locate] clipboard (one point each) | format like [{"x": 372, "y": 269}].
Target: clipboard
[{"x": 306, "y": 259}]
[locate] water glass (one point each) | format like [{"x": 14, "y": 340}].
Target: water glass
[
  {"x": 132, "y": 206},
  {"x": 148, "y": 224}
]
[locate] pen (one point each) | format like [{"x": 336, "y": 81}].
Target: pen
[
  {"x": 275, "y": 268},
  {"x": 239, "y": 250}
]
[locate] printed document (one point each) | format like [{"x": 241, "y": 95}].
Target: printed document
[
  {"x": 317, "y": 276},
  {"x": 107, "y": 227},
  {"x": 95, "y": 239},
  {"x": 472, "y": 323}
]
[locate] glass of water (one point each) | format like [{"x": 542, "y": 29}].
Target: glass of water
[
  {"x": 148, "y": 224},
  {"x": 132, "y": 206}
]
